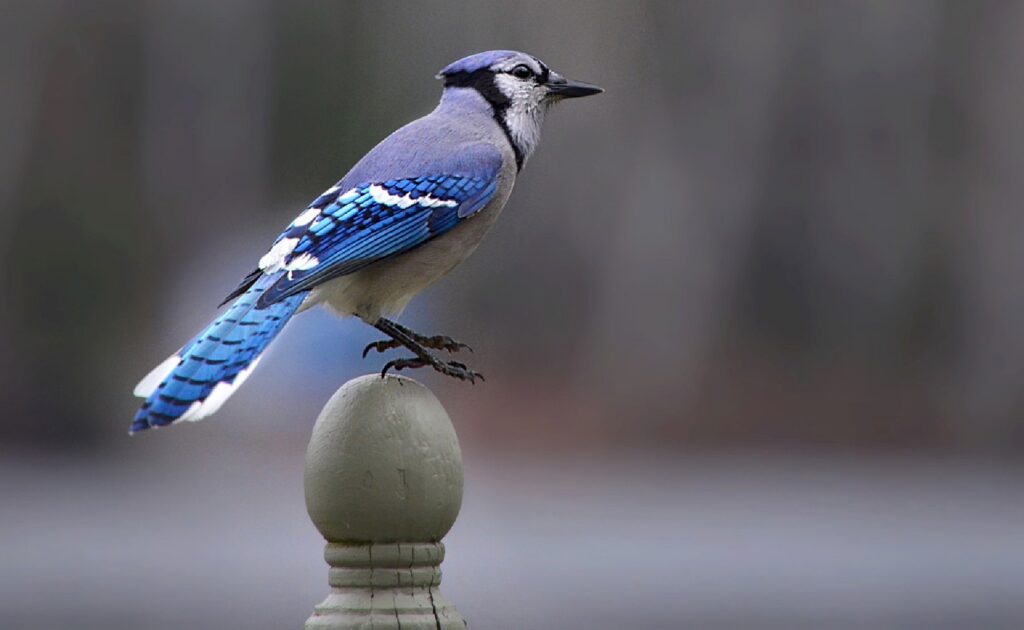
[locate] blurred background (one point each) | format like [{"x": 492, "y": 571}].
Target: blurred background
[{"x": 752, "y": 322}]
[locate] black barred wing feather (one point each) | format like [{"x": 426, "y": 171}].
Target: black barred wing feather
[{"x": 343, "y": 231}]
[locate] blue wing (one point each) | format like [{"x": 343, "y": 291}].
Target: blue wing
[
  {"x": 344, "y": 230},
  {"x": 368, "y": 223}
]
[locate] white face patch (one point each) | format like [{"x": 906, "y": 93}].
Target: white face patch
[
  {"x": 383, "y": 197},
  {"x": 525, "y": 113}
]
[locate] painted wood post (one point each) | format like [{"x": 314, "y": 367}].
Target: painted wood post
[{"x": 383, "y": 485}]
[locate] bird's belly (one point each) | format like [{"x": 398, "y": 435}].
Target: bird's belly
[{"x": 385, "y": 288}]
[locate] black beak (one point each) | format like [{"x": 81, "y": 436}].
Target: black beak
[{"x": 560, "y": 87}]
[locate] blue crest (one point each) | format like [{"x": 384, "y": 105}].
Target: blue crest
[{"x": 479, "y": 61}]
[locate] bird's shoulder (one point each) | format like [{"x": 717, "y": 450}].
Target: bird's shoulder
[{"x": 437, "y": 144}]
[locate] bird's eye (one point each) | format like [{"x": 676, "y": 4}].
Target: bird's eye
[{"x": 522, "y": 72}]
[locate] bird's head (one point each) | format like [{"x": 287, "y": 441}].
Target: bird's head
[{"x": 519, "y": 88}]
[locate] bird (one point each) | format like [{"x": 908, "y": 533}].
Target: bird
[{"x": 406, "y": 214}]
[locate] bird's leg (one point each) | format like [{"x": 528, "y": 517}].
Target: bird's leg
[
  {"x": 436, "y": 342},
  {"x": 402, "y": 336}
]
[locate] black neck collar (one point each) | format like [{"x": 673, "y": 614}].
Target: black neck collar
[{"x": 483, "y": 82}]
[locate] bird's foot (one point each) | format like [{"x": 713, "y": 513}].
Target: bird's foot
[
  {"x": 453, "y": 369},
  {"x": 418, "y": 344},
  {"x": 437, "y": 342}
]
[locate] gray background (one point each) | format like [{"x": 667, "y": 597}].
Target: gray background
[{"x": 752, "y": 321}]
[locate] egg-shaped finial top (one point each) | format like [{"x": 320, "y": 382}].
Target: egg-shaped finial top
[{"x": 383, "y": 464}]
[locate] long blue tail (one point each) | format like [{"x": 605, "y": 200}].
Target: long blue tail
[{"x": 196, "y": 380}]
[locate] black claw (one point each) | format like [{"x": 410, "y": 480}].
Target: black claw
[
  {"x": 400, "y": 364},
  {"x": 460, "y": 371},
  {"x": 381, "y": 346}
]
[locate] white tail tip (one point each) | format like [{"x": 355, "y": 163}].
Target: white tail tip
[{"x": 151, "y": 381}]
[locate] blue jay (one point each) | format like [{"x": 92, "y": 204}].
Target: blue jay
[{"x": 406, "y": 214}]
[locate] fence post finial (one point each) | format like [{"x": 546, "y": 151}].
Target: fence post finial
[{"x": 383, "y": 485}]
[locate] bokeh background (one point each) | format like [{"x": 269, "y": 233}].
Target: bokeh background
[{"x": 752, "y": 322}]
